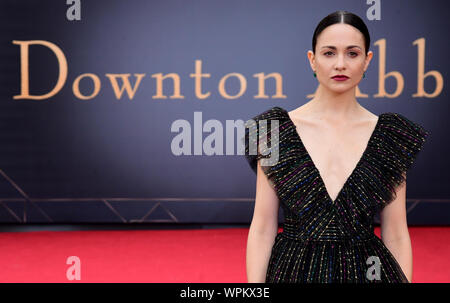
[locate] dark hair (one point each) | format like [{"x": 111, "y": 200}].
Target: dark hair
[{"x": 346, "y": 18}]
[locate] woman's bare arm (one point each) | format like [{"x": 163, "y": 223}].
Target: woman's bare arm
[
  {"x": 263, "y": 228},
  {"x": 394, "y": 231}
]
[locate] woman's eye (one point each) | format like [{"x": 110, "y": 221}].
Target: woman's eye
[{"x": 352, "y": 54}]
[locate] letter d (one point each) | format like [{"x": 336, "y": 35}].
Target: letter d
[{"x": 24, "y": 70}]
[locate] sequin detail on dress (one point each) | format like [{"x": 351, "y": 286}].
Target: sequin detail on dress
[{"x": 324, "y": 240}]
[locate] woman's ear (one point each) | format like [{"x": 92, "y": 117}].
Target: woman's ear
[
  {"x": 368, "y": 58},
  {"x": 312, "y": 60}
]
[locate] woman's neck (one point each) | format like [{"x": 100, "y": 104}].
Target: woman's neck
[{"x": 334, "y": 106}]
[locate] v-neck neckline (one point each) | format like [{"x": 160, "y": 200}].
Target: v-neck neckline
[{"x": 366, "y": 149}]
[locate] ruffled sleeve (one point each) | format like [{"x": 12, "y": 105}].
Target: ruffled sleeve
[
  {"x": 262, "y": 139},
  {"x": 402, "y": 140}
]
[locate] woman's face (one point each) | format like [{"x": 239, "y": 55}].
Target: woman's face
[{"x": 339, "y": 50}]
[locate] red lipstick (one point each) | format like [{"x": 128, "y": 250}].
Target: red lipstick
[{"x": 340, "y": 77}]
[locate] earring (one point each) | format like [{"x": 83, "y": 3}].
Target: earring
[
  {"x": 315, "y": 75},
  {"x": 364, "y": 75}
]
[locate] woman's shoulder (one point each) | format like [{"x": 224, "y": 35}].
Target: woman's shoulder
[
  {"x": 400, "y": 138},
  {"x": 273, "y": 113},
  {"x": 394, "y": 149},
  {"x": 265, "y": 136},
  {"x": 397, "y": 124}
]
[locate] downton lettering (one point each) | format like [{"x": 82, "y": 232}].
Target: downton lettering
[
  {"x": 125, "y": 84},
  {"x": 131, "y": 89}
]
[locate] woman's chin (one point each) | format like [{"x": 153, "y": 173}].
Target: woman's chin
[{"x": 340, "y": 88}]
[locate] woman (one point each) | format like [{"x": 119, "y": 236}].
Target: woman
[{"x": 337, "y": 166}]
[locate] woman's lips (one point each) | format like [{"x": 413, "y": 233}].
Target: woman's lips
[{"x": 340, "y": 78}]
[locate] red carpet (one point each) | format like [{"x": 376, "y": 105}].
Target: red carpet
[{"x": 204, "y": 255}]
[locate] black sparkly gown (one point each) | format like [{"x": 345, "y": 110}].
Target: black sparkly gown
[{"x": 325, "y": 240}]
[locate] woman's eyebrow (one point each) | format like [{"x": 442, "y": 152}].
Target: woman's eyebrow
[{"x": 334, "y": 47}]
